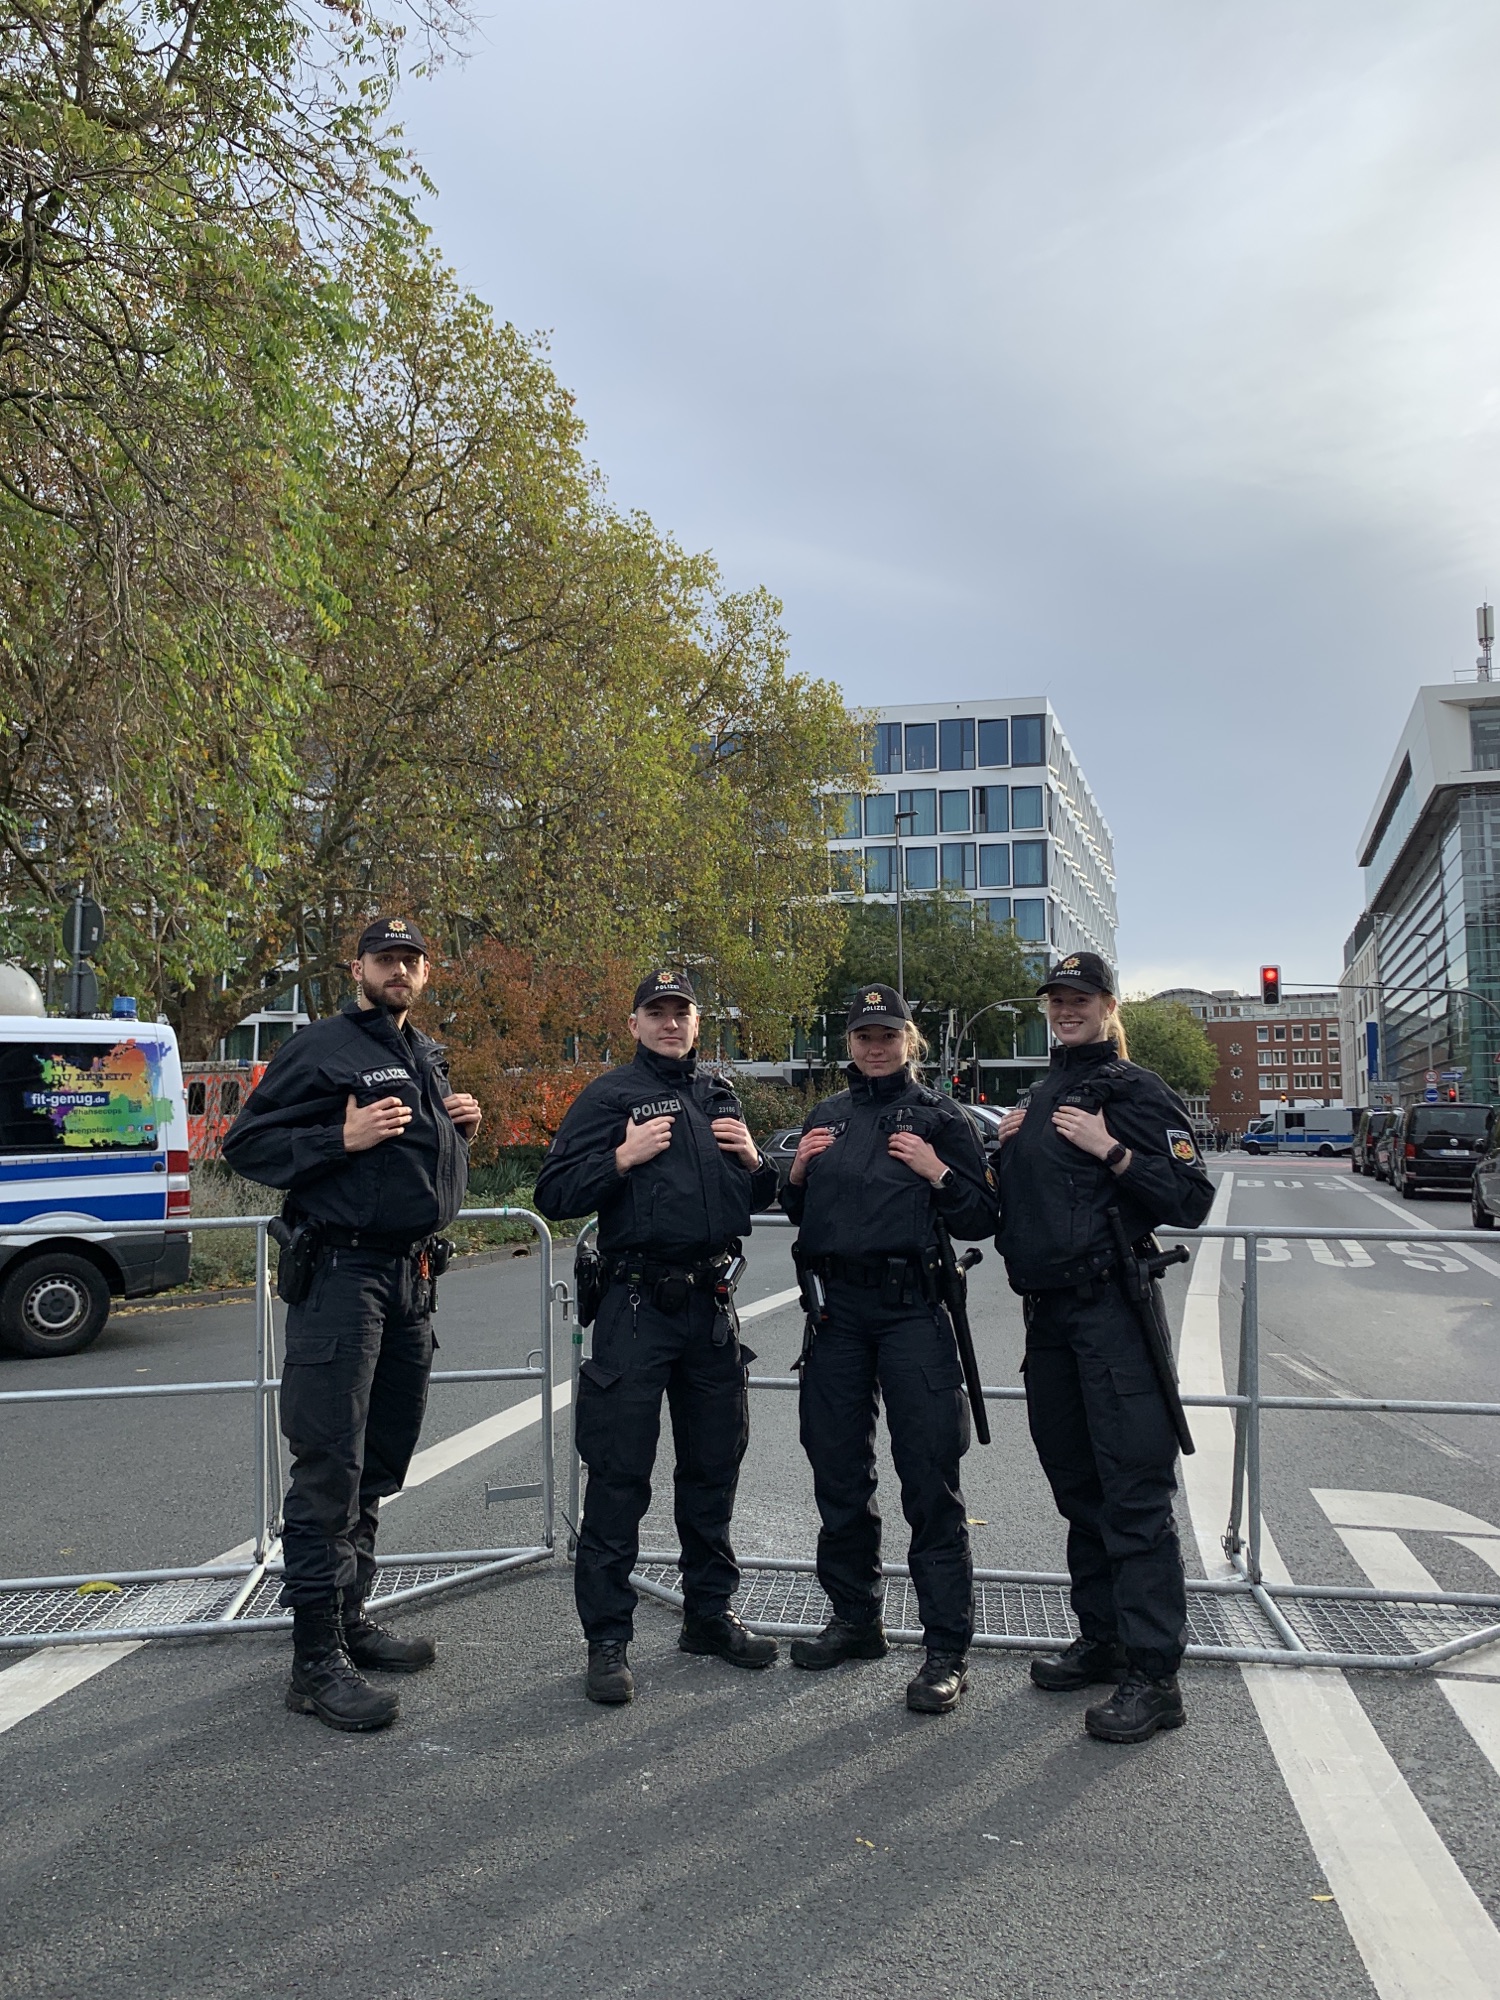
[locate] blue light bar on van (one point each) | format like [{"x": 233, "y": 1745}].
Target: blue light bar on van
[{"x": 123, "y": 1008}]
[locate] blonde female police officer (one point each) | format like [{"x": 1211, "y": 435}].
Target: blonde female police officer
[
  {"x": 875, "y": 1169},
  {"x": 1100, "y": 1134}
]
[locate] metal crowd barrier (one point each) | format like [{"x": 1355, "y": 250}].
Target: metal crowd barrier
[
  {"x": 207, "y": 1600},
  {"x": 1241, "y": 1617}
]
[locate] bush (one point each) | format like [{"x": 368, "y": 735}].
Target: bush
[{"x": 227, "y": 1256}]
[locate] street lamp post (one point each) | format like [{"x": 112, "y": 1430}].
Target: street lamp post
[{"x": 900, "y": 876}]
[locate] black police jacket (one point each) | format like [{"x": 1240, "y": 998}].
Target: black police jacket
[
  {"x": 290, "y": 1133},
  {"x": 1055, "y": 1199},
  {"x": 691, "y": 1199},
  {"x": 860, "y": 1201}
]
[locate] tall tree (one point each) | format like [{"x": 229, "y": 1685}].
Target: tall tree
[
  {"x": 1168, "y": 1037},
  {"x": 957, "y": 967}
]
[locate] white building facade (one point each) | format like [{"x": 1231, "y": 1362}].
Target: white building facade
[{"x": 983, "y": 799}]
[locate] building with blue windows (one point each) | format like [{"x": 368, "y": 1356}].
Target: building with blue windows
[{"x": 984, "y": 799}]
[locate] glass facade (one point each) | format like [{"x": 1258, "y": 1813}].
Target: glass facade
[
  {"x": 921, "y": 868},
  {"x": 1484, "y": 739},
  {"x": 994, "y": 742},
  {"x": 1028, "y": 739},
  {"x": 956, "y": 744},
  {"x": 958, "y": 864},
  {"x": 880, "y": 873},
  {"x": 921, "y": 746},
  {"x": 992, "y": 809},
  {"x": 994, "y": 865},
  {"x": 1029, "y": 861},
  {"x": 880, "y": 815},
  {"x": 1026, "y": 808},
  {"x": 886, "y": 755},
  {"x": 843, "y": 816},
  {"x": 953, "y": 812},
  {"x": 922, "y": 805}
]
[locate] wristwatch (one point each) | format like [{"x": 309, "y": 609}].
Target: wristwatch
[
  {"x": 942, "y": 1180},
  {"x": 1115, "y": 1154}
]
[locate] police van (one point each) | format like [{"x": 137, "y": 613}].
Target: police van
[
  {"x": 93, "y": 1131},
  {"x": 1324, "y": 1130}
]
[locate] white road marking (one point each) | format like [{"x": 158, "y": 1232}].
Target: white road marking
[
  {"x": 1420, "y": 1227},
  {"x": 34, "y": 1683},
  {"x": 773, "y": 1304},
  {"x": 1415, "y": 1921}
]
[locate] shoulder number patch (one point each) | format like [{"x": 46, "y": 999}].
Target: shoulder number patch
[{"x": 1183, "y": 1147}]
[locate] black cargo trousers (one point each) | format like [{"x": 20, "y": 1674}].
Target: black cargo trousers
[
  {"x": 1109, "y": 1451},
  {"x": 641, "y": 1352},
  {"x": 907, "y": 1355},
  {"x": 353, "y": 1393}
]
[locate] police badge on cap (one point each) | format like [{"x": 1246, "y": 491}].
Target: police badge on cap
[
  {"x": 1080, "y": 971},
  {"x": 876, "y": 1006},
  {"x": 663, "y": 986},
  {"x": 391, "y": 934}
]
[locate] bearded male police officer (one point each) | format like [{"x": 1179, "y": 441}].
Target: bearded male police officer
[
  {"x": 1099, "y": 1156},
  {"x": 663, "y": 1154},
  {"x": 356, "y": 1120}
]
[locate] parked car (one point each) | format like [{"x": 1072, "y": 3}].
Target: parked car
[
  {"x": 1484, "y": 1188},
  {"x": 1437, "y": 1147},
  {"x": 1385, "y": 1145},
  {"x": 1366, "y": 1136},
  {"x": 781, "y": 1149},
  {"x": 985, "y": 1118}
]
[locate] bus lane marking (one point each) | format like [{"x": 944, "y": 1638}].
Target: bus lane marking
[{"x": 1417, "y": 1924}]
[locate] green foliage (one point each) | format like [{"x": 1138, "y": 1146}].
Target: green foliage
[
  {"x": 1168, "y": 1037},
  {"x": 956, "y": 965}
]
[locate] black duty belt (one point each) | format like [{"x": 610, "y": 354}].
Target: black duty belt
[
  {"x": 335, "y": 1238},
  {"x": 627, "y": 1269},
  {"x": 869, "y": 1272}
]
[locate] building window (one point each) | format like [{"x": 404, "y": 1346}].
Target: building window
[
  {"x": 1025, "y": 807},
  {"x": 992, "y": 809},
  {"x": 921, "y": 868},
  {"x": 1333, "y": 1033},
  {"x": 953, "y": 812},
  {"x": 887, "y": 756},
  {"x": 921, "y": 746},
  {"x": 1265, "y": 1059},
  {"x": 1236, "y": 1073},
  {"x": 880, "y": 879},
  {"x": 1031, "y": 919},
  {"x": 880, "y": 815},
  {"x": 1263, "y": 1034},
  {"x": 958, "y": 864},
  {"x": 1029, "y": 860},
  {"x": 1315, "y": 1080},
  {"x": 1028, "y": 739},
  {"x": 847, "y": 872},
  {"x": 1333, "y": 1081},
  {"x": 1315, "y": 1034},
  {"x": 843, "y": 816},
  {"x": 923, "y": 808},
  {"x": 994, "y": 866},
  {"x": 994, "y": 744},
  {"x": 1484, "y": 739},
  {"x": 1236, "y": 1049},
  {"x": 997, "y": 909},
  {"x": 1296, "y": 1034},
  {"x": 1279, "y": 1035},
  {"x": 956, "y": 745}
]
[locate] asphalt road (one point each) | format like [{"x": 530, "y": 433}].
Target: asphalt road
[{"x": 172, "y": 1830}]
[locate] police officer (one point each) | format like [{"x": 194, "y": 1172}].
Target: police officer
[
  {"x": 1100, "y": 1134},
  {"x": 662, "y": 1152},
  {"x": 876, "y": 1168},
  {"x": 356, "y": 1120}
]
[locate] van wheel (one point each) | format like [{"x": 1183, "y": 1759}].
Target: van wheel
[
  {"x": 1408, "y": 1190},
  {"x": 1482, "y": 1217},
  {"x": 1325, "y": 1152},
  {"x": 52, "y": 1304}
]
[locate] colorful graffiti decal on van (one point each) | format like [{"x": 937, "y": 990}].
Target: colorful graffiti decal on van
[{"x": 115, "y": 1100}]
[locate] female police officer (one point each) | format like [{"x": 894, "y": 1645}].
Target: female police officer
[
  {"x": 1100, "y": 1135},
  {"x": 876, "y": 1167}
]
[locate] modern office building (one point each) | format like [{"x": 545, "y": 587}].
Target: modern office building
[
  {"x": 984, "y": 799},
  {"x": 1422, "y": 980},
  {"x": 1288, "y": 1054}
]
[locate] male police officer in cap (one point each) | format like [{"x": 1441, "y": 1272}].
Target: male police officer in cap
[
  {"x": 662, "y": 1153},
  {"x": 356, "y": 1120}
]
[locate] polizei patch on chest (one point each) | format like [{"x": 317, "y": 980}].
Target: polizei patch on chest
[
  {"x": 659, "y": 1107},
  {"x": 370, "y": 1078}
]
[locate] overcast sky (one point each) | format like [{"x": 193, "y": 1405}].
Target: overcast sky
[{"x": 1139, "y": 353}]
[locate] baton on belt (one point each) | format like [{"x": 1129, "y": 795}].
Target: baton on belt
[
  {"x": 953, "y": 1284},
  {"x": 1137, "y": 1275}
]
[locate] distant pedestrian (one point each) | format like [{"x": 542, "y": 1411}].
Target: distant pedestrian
[
  {"x": 877, "y": 1168},
  {"x": 356, "y": 1120},
  {"x": 1100, "y": 1134},
  {"x": 661, "y": 1150}
]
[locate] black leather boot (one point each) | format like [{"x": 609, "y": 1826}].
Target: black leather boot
[
  {"x": 375, "y": 1651},
  {"x": 610, "y": 1679},
  {"x": 324, "y": 1680},
  {"x": 1079, "y": 1666},
  {"x": 727, "y": 1638},
  {"x": 1135, "y": 1711},
  {"x": 936, "y": 1688},
  {"x": 840, "y": 1641}
]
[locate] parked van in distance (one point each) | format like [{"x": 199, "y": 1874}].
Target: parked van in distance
[
  {"x": 93, "y": 1131},
  {"x": 1436, "y": 1147},
  {"x": 1321, "y": 1129},
  {"x": 1367, "y": 1139}
]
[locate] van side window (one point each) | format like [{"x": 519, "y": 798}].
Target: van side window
[
  {"x": 229, "y": 1096},
  {"x": 196, "y": 1097}
]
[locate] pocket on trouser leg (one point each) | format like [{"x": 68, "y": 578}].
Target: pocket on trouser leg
[
  {"x": 952, "y": 1431},
  {"x": 597, "y": 1414}
]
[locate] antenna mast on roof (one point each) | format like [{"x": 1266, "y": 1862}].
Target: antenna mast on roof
[{"x": 1484, "y": 618}]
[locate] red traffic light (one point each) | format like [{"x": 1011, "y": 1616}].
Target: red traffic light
[{"x": 1270, "y": 985}]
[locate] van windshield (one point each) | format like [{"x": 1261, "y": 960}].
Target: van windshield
[
  {"x": 1452, "y": 1121},
  {"x": 82, "y": 1097}
]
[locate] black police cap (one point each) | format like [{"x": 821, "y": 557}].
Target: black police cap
[
  {"x": 877, "y": 1006},
  {"x": 663, "y": 986},
  {"x": 391, "y": 934},
  {"x": 1084, "y": 971}
]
